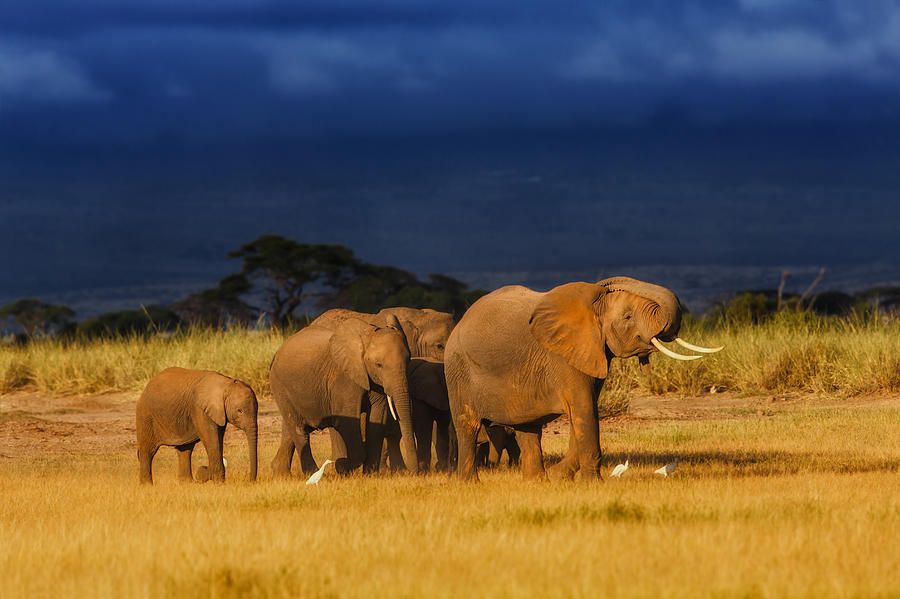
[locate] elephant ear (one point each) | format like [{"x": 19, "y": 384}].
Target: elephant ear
[
  {"x": 210, "y": 394},
  {"x": 392, "y": 321},
  {"x": 347, "y": 350},
  {"x": 565, "y": 322}
]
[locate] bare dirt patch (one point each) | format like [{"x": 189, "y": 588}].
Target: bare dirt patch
[{"x": 39, "y": 425}]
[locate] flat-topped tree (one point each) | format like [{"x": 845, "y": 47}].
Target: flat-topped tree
[
  {"x": 291, "y": 273},
  {"x": 36, "y": 317}
]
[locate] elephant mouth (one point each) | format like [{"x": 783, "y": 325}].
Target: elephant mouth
[{"x": 676, "y": 356}]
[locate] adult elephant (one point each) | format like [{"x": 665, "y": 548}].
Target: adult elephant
[
  {"x": 522, "y": 358},
  {"x": 321, "y": 378},
  {"x": 431, "y": 417},
  {"x": 426, "y": 330}
]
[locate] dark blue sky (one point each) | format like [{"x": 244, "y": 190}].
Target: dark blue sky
[
  {"x": 181, "y": 70},
  {"x": 141, "y": 141}
]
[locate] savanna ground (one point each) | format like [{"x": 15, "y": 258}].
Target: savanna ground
[{"x": 776, "y": 495}]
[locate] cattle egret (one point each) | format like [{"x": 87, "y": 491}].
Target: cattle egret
[
  {"x": 668, "y": 468},
  {"x": 619, "y": 470},
  {"x": 317, "y": 475}
]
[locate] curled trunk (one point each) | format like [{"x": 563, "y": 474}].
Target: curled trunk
[{"x": 666, "y": 315}]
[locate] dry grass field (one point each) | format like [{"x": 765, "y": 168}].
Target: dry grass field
[
  {"x": 792, "y": 352},
  {"x": 775, "y": 496}
]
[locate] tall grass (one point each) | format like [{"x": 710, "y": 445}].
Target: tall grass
[
  {"x": 789, "y": 353},
  {"x": 127, "y": 363}
]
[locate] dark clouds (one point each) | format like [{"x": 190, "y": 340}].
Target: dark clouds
[{"x": 139, "y": 71}]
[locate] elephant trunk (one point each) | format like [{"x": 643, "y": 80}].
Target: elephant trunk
[
  {"x": 403, "y": 409},
  {"x": 665, "y": 307},
  {"x": 252, "y": 435}
]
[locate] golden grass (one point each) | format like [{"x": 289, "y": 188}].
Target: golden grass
[
  {"x": 126, "y": 364},
  {"x": 791, "y": 353},
  {"x": 801, "y": 503}
]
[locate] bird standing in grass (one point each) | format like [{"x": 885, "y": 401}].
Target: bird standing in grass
[
  {"x": 668, "y": 468},
  {"x": 619, "y": 470},
  {"x": 317, "y": 475}
]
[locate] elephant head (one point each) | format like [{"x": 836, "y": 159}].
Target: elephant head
[
  {"x": 588, "y": 323},
  {"x": 240, "y": 409},
  {"x": 426, "y": 330},
  {"x": 377, "y": 358},
  {"x": 225, "y": 400}
]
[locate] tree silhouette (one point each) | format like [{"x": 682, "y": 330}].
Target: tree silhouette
[
  {"x": 35, "y": 316},
  {"x": 292, "y": 273}
]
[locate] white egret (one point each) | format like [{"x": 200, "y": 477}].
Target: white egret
[
  {"x": 317, "y": 475},
  {"x": 668, "y": 468},
  {"x": 619, "y": 470}
]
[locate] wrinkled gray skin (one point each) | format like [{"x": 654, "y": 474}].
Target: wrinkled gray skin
[
  {"x": 426, "y": 333},
  {"x": 426, "y": 330},
  {"x": 431, "y": 419},
  {"x": 180, "y": 407},
  {"x": 522, "y": 358},
  {"x": 431, "y": 416},
  {"x": 322, "y": 378}
]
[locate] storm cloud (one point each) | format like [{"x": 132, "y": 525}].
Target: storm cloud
[{"x": 139, "y": 71}]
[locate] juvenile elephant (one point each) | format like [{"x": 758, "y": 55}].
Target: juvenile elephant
[
  {"x": 522, "y": 358},
  {"x": 322, "y": 378},
  {"x": 180, "y": 407}
]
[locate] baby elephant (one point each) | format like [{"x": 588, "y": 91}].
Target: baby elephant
[{"x": 180, "y": 407}]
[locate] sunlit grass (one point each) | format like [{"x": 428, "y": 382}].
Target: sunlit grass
[
  {"x": 791, "y": 353},
  {"x": 802, "y": 503}
]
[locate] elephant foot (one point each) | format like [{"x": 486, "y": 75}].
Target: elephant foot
[
  {"x": 565, "y": 470},
  {"x": 345, "y": 466},
  {"x": 202, "y": 474},
  {"x": 281, "y": 469}
]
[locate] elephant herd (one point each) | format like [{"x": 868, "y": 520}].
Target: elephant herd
[{"x": 404, "y": 378}]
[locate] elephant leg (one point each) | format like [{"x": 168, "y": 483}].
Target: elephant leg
[
  {"x": 375, "y": 431},
  {"x": 467, "y": 428},
  {"x": 347, "y": 441},
  {"x": 184, "y": 461},
  {"x": 281, "y": 463},
  {"x": 496, "y": 441},
  {"x": 339, "y": 453},
  {"x": 442, "y": 442},
  {"x": 211, "y": 436},
  {"x": 532, "y": 456},
  {"x": 423, "y": 425},
  {"x": 146, "y": 453},
  {"x": 586, "y": 431},
  {"x": 392, "y": 453},
  {"x": 453, "y": 449},
  {"x": 568, "y": 466},
  {"x": 299, "y": 433},
  {"x": 512, "y": 449}
]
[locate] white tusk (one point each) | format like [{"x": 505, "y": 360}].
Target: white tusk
[
  {"x": 391, "y": 407},
  {"x": 697, "y": 348},
  {"x": 670, "y": 353}
]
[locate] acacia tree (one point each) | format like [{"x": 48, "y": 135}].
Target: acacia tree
[
  {"x": 220, "y": 305},
  {"x": 35, "y": 316},
  {"x": 292, "y": 273}
]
